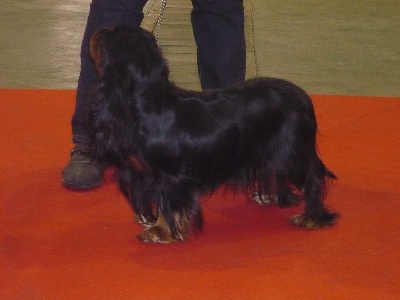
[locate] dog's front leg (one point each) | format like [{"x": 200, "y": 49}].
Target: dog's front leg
[{"x": 157, "y": 233}]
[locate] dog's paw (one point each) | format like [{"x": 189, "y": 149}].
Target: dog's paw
[
  {"x": 156, "y": 234},
  {"x": 301, "y": 220},
  {"x": 264, "y": 199}
]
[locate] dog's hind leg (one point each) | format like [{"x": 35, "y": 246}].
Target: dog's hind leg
[
  {"x": 276, "y": 193},
  {"x": 315, "y": 215},
  {"x": 284, "y": 198},
  {"x": 261, "y": 193},
  {"x": 287, "y": 197},
  {"x": 264, "y": 199}
]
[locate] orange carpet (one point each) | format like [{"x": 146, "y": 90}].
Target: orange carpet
[{"x": 59, "y": 244}]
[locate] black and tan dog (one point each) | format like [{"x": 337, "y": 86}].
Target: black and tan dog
[{"x": 171, "y": 145}]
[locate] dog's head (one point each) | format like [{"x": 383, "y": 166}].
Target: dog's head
[{"x": 128, "y": 47}]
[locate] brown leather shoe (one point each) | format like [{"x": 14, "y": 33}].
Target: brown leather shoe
[{"x": 82, "y": 171}]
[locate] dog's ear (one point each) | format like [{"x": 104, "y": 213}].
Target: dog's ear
[{"x": 112, "y": 116}]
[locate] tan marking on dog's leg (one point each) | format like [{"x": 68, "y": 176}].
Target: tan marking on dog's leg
[
  {"x": 302, "y": 221},
  {"x": 158, "y": 233},
  {"x": 262, "y": 199},
  {"x": 144, "y": 221}
]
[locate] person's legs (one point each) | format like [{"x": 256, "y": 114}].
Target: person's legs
[
  {"x": 218, "y": 28},
  {"x": 82, "y": 170}
]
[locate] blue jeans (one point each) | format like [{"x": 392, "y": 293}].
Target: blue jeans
[{"x": 218, "y": 28}]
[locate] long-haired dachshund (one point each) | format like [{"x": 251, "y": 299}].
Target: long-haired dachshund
[{"x": 171, "y": 145}]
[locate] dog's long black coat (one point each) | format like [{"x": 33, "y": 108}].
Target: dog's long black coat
[{"x": 171, "y": 145}]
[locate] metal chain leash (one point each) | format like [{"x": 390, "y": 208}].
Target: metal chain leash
[{"x": 160, "y": 17}]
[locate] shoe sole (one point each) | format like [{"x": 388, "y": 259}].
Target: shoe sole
[{"x": 73, "y": 186}]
